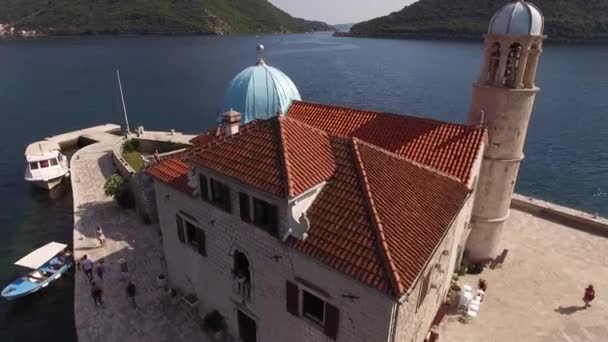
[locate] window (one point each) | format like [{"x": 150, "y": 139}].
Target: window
[
  {"x": 204, "y": 187},
  {"x": 180, "y": 229},
  {"x": 34, "y": 166},
  {"x": 313, "y": 308},
  {"x": 265, "y": 216},
  {"x": 54, "y": 162},
  {"x": 244, "y": 207},
  {"x": 44, "y": 163},
  {"x": 191, "y": 235},
  {"x": 220, "y": 195}
]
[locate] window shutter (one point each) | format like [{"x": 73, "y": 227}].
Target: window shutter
[
  {"x": 332, "y": 321},
  {"x": 204, "y": 189},
  {"x": 202, "y": 247},
  {"x": 227, "y": 199},
  {"x": 180, "y": 229},
  {"x": 244, "y": 207},
  {"x": 292, "y": 298}
]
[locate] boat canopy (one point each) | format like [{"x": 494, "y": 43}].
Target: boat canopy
[
  {"x": 40, "y": 256},
  {"x": 41, "y": 150}
]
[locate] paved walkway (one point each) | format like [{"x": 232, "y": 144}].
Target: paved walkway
[
  {"x": 157, "y": 317},
  {"x": 537, "y": 295}
]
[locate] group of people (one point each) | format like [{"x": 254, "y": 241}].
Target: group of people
[{"x": 88, "y": 267}]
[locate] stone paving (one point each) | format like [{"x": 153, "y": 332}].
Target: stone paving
[
  {"x": 158, "y": 317},
  {"x": 537, "y": 294}
]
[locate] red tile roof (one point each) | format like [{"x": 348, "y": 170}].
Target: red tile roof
[
  {"x": 413, "y": 207},
  {"x": 172, "y": 171},
  {"x": 252, "y": 156},
  {"x": 380, "y": 215},
  {"x": 272, "y": 156},
  {"x": 449, "y": 148}
]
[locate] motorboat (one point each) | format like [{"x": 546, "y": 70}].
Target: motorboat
[
  {"x": 48, "y": 263},
  {"x": 46, "y": 165}
]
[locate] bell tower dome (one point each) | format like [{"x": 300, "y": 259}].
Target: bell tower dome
[{"x": 503, "y": 98}]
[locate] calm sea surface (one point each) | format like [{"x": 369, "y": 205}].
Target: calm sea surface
[{"x": 53, "y": 86}]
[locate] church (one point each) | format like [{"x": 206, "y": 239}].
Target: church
[{"x": 299, "y": 221}]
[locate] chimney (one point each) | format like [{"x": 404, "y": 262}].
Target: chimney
[{"x": 230, "y": 121}]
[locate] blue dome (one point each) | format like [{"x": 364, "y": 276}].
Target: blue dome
[{"x": 259, "y": 92}]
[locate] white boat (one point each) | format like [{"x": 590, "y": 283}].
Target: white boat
[
  {"x": 46, "y": 165},
  {"x": 48, "y": 263}
]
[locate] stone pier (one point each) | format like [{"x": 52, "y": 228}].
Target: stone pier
[{"x": 158, "y": 316}]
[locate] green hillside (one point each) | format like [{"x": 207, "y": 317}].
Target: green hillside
[
  {"x": 564, "y": 19},
  {"x": 150, "y": 16}
]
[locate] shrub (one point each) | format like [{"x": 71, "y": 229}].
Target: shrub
[
  {"x": 214, "y": 322},
  {"x": 130, "y": 145},
  {"x": 118, "y": 188}
]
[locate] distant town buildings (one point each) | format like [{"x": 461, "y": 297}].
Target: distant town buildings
[{"x": 297, "y": 221}]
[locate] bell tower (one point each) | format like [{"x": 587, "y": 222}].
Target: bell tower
[{"x": 503, "y": 98}]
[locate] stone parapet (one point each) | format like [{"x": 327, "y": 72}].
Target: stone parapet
[{"x": 566, "y": 216}]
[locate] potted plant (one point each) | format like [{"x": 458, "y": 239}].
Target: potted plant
[{"x": 215, "y": 324}]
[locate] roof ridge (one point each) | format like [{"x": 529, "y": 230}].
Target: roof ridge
[
  {"x": 313, "y": 128},
  {"x": 372, "y": 111},
  {"x": 283, "y": 156},
  {"x": 390, "y": 266},
  {"x": 413, "y": 162}
]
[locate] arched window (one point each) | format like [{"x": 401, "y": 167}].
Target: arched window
[
  {"x": 242, "y": 275},
  {"x": 512, "y": 65},
  {"x": 531, "y": 66},
  {"x": 494, "y": 61}
]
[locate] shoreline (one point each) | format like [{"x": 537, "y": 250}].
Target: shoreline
[
  {"x": 146, "y": 34},
  {"x": 465, "y": 38}
]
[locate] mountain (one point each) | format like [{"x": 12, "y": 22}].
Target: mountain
[
  {"x": 564, "y": 19},
  {"x": 150, "y": 16}
]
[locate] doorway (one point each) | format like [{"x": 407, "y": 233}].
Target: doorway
[{"x": 247, "y": 327}]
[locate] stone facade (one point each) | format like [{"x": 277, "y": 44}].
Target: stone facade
[
  {"x": 364, "y": 312},
  {"x": 416, "y": 312}
]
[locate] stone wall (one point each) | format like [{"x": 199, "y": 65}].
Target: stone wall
[
  {"x": 415, "y": 315},
  {"x": 560, "y": 214},
  {"x": 365, "y": 313}
]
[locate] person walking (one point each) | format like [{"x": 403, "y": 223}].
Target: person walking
[
  {"x": 100, "y": 236},
  {"x": 87, "y": 266},
  {"x": 131, "y": 293},
  {"x": 589, "y": 295},
  {"x": 100, "y": 269},
  {"x": 97, "y": 294}
]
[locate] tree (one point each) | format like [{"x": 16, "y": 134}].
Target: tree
[{"x": 118, "y": 187}]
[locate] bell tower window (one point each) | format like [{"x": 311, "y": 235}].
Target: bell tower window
[
  {"x": 493, "y": 63},
  {"x": 513, "y": 66}
]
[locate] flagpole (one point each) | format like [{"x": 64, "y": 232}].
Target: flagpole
[{"x": 122, "y": 98}]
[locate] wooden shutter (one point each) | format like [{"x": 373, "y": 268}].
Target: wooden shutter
[
  {"x": 180, "y": 229},
  {"x": 226, "y": 198},
  {"x": 244, "y": 207},
  {"x": 204, "y": 188},
  {"x": 202, "y": 247},
  {"x": 292, "y": 298},
  {"x": 332, "y": 321}
]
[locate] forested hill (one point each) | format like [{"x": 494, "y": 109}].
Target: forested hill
[
  {"x": 564, "y": 19},
  {"x": 150, "y": 16}
]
